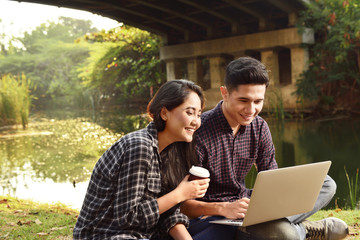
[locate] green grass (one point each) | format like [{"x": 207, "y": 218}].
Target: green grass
[
  {"x": 348, "y": 216},
  {"x": 23, "y": 219},
  {"x": 351, "y": 217}
]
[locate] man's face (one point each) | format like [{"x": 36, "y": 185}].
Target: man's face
[{"x": 243, "y": 104}]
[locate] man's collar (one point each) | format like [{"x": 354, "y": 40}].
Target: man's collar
[{"x": 223, "y": 122}]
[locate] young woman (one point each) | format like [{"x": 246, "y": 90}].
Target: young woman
[{"x": 138, "y": 183}]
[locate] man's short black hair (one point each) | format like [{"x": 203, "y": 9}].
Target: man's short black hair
[{"x": 245, "y": 70}]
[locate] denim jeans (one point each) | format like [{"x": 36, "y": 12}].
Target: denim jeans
[
  {"x": 201, "y": 229},
  {"x": 327, "y": 192}
]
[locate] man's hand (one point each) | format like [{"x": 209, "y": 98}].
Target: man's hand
[
  {"x": 237, "y": 209},
  {"x": 233, "y": 210}
]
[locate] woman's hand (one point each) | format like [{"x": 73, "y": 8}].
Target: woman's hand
[
  {"x": 184, "y": 191},
  {"x": 192, "y": 189}
]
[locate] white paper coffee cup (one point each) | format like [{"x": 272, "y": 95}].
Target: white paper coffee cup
[{"x": 198, "y": 173}]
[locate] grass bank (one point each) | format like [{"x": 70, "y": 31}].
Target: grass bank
[{"x": 23, "y": 219}]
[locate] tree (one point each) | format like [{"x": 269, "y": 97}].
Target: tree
[
  {"x": 65, "y": 30},
  {"x": 50, "y": 58},
  {"x": 6, "y": 42},
  {"x": 333, "y": 75},
  {"x": 129, "y": 69}
]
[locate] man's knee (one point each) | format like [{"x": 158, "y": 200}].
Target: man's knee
[
  {"x": 329, "y": 186},
  {"x": 280, "y": 229}
]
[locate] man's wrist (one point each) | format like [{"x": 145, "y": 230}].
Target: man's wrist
[{"x": 213, "y": 208}]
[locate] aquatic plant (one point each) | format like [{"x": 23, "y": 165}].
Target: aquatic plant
[
  {"x": 15, "y": 100},
  {"x": 276, "y": 104},
  {"x": 352, "y": 188}
]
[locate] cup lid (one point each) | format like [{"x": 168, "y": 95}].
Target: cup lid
[{"x": 199, "y": 172}]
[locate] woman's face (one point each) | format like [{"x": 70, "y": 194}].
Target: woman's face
[{"x": 184, "y": 120}]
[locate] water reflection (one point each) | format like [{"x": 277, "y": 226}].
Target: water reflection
[
  {"x": 53, "y": 160},
  {"x": 66, "y": 154},
  {"x": 313, "y": 141}
]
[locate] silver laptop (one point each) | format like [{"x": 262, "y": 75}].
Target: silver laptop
[{"x": 283, "y": 192}]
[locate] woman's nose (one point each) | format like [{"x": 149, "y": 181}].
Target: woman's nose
[{"x": 196, "y": 122}]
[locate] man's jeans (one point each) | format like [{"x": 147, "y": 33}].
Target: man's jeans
[{"x": 201, "y": 229}]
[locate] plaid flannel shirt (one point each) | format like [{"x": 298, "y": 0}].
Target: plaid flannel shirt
[
  {"x": 229, "y": 158},
  {"x": 120, "y": 202}
]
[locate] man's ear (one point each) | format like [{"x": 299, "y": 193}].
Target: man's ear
[
  {"x": 224, "y": 92},
  {"x": 163, "y": 113}
]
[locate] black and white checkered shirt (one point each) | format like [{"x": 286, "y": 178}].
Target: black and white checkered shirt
[{"x": 120, "y": 202}]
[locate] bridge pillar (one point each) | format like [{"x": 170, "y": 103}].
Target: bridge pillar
[
  {"x": 217, "y": 70},
  {"x": 194, "y": 69},
  {"x": 271, "y": 60},
  {"x": 299, "y": 62},
  {"x": 173, "y": 69}
]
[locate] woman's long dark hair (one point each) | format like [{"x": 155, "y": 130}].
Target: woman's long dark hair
[{"x": 178, "y": 157}]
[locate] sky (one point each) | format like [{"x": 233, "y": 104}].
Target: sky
[{"x": 17, "y": 18}]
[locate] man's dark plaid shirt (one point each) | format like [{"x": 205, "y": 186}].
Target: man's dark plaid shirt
[
  {"x": 229, "y": 158},
  {"x": 120, "y": 202}
]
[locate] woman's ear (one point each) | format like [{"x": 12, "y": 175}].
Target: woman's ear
[{"x": 163, "y": 113}]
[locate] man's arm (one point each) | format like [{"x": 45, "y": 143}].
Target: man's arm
[{"x": 233, "y": 210}]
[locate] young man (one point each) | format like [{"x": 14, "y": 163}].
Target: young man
[{"x": 233, "y": 138}]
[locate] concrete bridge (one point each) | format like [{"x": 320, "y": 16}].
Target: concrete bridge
[{"x": 202, "y": 36}]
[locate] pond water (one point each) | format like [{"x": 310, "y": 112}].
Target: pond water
[{"x": 53, "y": 159}]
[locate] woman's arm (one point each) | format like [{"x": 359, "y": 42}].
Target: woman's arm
[{"x": 179, "y": 232}]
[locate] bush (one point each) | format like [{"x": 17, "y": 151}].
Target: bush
[
  {"x": 15, "y": 100},
  {"x": 333, "y": 75}
]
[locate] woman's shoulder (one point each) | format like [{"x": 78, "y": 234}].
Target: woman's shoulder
[
  {"x": 137, "y": 138},
  {"x": 132, "y": 143}
]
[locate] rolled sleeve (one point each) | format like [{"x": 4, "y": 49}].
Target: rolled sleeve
[{"x": 170, "y": 218}]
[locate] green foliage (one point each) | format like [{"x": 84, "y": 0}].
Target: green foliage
[
  {"x": 15, "y": 100},
  {"x": 73, "y": 67},
  {"x": 65, "y": 30},
  {"x": 352, "y": 188},
  {"x": 276, "y": 104},
  {"x": 53, "y": 70},
  {"x": 6, "y": 42},
  {"x": 333, "y": 74},
  {"x": 50, "y": 58},
  {"x": 130, "y": 67}
]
